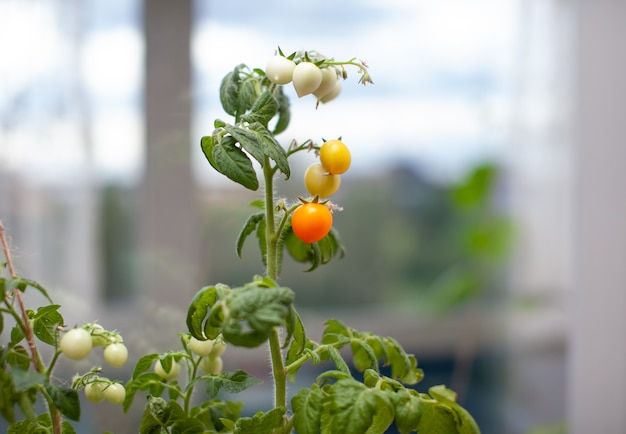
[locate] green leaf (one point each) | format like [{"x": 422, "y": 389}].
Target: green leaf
[
  {"x": 263, "y": 110},
  {"x": 443, "y": 414},
  {"x": 334, "y": 331},
  {"x": 408, "y": 410},
  {"x": 271, "y": 422},
  {"x": 17, "y": 335},
  {"x": 295, "y": 329},
  {"x": 363, "y": 356},
  {"x": 259, "y": 142},
  {"x": 247, "y": 229},
  {"x": 284, "y": 112},
  {"x": 232, "y": 382},
  {"x": 159, "y": 414},
  {"x": 24, "y": 380},
  {"x": 187, "y": 426},
  {"x": 18, "y": 357},
  {"x": 336, "y": 358},
  {"x": 65, "y": 399},
  {"x": 307, "y": 407},
  {"x": 229, "y": 91},
  {"x": 199, "y": 310},
  {"x": 45, "y": 323},
  {"x": 143, "y": 381},
  {"x": 143, "y": 364},
  {"x": 252, "y": 313},
  {"x": 231, "y": 161},
  {"x": 474, "y": 191},
  {"x": 357, "y": 409}
]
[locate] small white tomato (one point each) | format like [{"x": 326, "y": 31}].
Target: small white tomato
[
  {"x": 76, "y": 344},
  {"x": 307, "y": 77},
  {"x": 329, "y": 80},
  {"x": 167, "y": 375},
  {"x": 116, "y": 355},
  {"x": 333, "y": 93},
  {"x": 95, "y": 391},
  {"x": 279, "y": 69},
  {"x": 115, "y": 393},
  {"x": 201, "y": 348},
  {"x": 211, "y": 365}
]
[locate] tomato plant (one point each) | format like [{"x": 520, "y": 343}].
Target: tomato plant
[
  {"x": 311, "y": 222},
  {"x": 319, "y": 182},
  {"x": 260, "y": 312}
]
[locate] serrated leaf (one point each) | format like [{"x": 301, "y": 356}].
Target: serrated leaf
[
  {"x": 263, "y": 110},
  {"x": 353, "y": 408},
  {"x": 229, "y": 91},
  {"x": 143, "y": 364},
  {"x": 232, "y": 382},
  {"x": 45, "y": 323},
  {"x": 143, "y": 381},
  {"x": 334, "y": 330},
  {"x": 270, "y": 422},
  {"x": 187, "y": 426},
  {"x": 199, "y": 311},
  {"x": 232, "y": 162},
  {"x": 247, "y": 229},
  {"x": 284, "y": 112},
  {"x": 307, "y": 407},
  {"x": 363, "y": 356},
  {"x": 336, "y": 358},
  {"x": 295, "y": 330},
  {"x": 253, "y": 311},
  {"x": 408, "y": 410},
  {"x": 65, "y": 399},
  {"x": 24, "y": 380},
  {"x": 160, "y": 414}
]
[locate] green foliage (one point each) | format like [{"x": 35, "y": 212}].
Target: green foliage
[{"x": 246, "y": 316}]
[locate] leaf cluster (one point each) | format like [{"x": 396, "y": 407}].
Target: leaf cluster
[{"x": 23, "y": 376}]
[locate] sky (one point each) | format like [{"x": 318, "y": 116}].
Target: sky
[{"x": 443, "y": 74}]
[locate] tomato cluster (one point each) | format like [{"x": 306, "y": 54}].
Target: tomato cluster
[
  {"x": 307, "y": 77},
  {"x": 77, "y": 344},
  {"x": 312, "y": 221}
]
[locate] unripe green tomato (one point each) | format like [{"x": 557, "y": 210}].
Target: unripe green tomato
[
  {"x": 201, "y": 348},
  {"x": 211, "y": 365},
  {"x": 76, "y": 344},
  {"x": 307, "y": 77},
  {"x": 279, "y": 69},
  {"x": 167, "y": 376},
  {"x": 115, "y": 393},
  {"x": 335, "y": 156},
  {"x": 94, "y": 392},
  {"x": 319, "y": 182},
  {"x": 116, "y": 355},
  {"x": 329, "y": 80}
]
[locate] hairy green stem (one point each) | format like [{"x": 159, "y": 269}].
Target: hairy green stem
[{"x": 271, "y": 239}]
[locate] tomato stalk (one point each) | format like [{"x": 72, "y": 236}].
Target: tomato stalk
[
  {"x": 271, "y": 239},
  {"x": 24, "y": 324}
]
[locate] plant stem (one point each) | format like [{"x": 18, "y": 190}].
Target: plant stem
[
  {"x": 55, "y": 415},
  {"x": 278, "y": 367}
]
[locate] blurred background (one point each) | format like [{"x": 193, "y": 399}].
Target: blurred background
[{"x": 483, "y": 212}]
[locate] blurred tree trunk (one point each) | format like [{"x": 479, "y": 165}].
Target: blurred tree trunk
[{"x": 167, "y": 226}]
